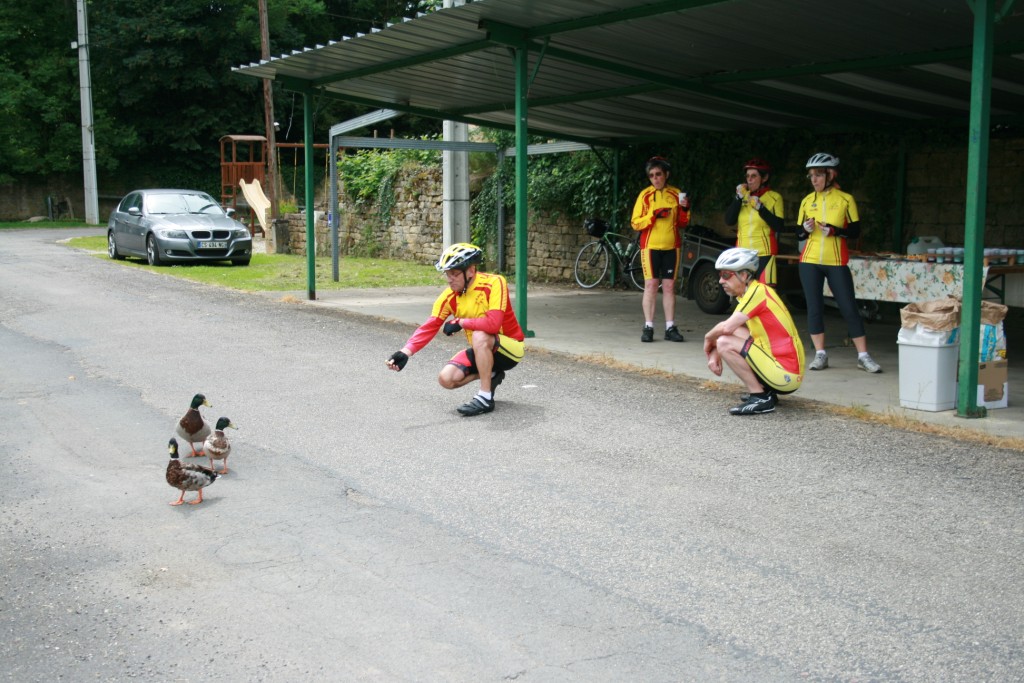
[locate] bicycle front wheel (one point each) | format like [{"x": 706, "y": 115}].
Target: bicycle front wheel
[
  {"x": 591, "y": 264},
  {"x": 635, "y": 270}
]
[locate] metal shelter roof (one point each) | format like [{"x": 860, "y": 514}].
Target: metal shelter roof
[{"x": 628, "y": 70}]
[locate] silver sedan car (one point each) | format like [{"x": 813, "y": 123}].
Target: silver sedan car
[{"x": 171, "y": 226}]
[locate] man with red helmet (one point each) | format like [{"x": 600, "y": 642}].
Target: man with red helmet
[{"x": 757, "y": 213}]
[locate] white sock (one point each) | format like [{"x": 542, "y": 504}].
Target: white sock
[
  {"x": 650, "y": 324},
  {"x": 820, "y": 353},
  {"x": 861, "y": 355},
  {"x": 669, "y": 324},
  {"x": 485, "y": 394}
]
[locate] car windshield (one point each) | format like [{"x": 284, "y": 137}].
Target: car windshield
[{"x": 181, "y": 203}]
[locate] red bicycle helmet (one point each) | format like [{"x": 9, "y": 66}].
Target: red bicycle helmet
[{"x": 758, "y": 164}]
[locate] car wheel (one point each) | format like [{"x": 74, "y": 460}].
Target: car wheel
[
  {"x": 244, "y": 261},
  {"x": 112, "y": 251},
  {"x": 152, "y": 253},
  {"x": 708, "y": 294}
]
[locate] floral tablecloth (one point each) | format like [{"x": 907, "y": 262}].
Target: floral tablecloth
[{"x": 878, "y": 279}]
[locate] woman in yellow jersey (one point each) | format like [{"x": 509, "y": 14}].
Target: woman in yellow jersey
[
  {"x": 659, "y": 213},
  {"x": 828, "y": 218},
  {"x": 757, "y": 214}
]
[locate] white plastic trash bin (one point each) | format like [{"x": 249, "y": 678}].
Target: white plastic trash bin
[{"x": 928, "y": 363}]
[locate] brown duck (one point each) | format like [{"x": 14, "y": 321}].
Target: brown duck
[
  {"x": 217, "y": 446},
  {"x": 192, "y": 427},
  {"x": 187, "y": 477}
]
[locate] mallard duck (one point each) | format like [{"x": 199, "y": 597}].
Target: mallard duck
[
  {"x": 192, "y": 427},
  {"x": 217, "y": 446},
  {"x": 187, "y": 477}
]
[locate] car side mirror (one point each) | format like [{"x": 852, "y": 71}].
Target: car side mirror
[
  {"x": 230, "y": 211},
  {"x": 134, "y": 211}
]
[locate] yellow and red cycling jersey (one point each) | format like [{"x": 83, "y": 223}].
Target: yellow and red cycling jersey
[
  {"x": 484, "y": 306},
  {"x": 839, "y": 210},
  {"x": 659, "y": 233},
  {"x": 751, "y": 230},
  {"x": 771, "y": 326}
]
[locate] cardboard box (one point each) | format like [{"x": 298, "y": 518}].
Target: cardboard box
[{"x": 993, "y": 387}]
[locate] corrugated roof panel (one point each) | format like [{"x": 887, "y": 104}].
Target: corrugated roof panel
[{"x": 693, "y": 66}]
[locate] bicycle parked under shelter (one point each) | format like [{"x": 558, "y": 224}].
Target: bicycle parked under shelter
[{"x": 592, "y": 262}]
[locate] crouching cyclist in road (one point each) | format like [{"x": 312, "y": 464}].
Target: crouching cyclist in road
[
  {"x": 759, "y": 341},
  {"x": 476, "y": 303}
]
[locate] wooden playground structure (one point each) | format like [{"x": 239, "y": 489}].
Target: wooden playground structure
[
  {"x": 243, "y": 174},
  {"x": 242, "y": 158}
]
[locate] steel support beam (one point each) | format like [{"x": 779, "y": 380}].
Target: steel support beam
[
  {"x": 974, "y": 223},
  {"x": 522, "y": 56},
  {"x": 334, "y": 215}
]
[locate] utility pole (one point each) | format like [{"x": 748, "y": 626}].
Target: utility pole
[
  {"x": 268, "y": 117},
  {"x": 455, "y": 178},
  {"x": 92, "y": 209}
]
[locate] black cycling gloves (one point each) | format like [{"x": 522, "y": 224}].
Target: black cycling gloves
[
  {"x": 451, "y": 328},
  {"x": 399, "y": 359}
]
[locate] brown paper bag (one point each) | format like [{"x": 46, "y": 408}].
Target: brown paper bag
[
  {"x": 940, "y": 314},
  {"x": 992, "y": 313}
]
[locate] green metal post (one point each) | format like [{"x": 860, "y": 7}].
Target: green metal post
[
  {"x": 974, "y": 224},
  {"x": 307, "y": 122},
  {"x": 522, "y": 207}
]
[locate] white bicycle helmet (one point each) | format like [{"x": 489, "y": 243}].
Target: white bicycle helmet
[
  {"x": 459, "y": 256},
  {"x": 737, "y": 259},
  {"x": 823, "y": 160}
]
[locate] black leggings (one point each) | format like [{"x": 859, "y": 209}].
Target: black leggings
[{"x": 812, "y": 278}]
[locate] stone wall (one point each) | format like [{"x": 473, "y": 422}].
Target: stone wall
[
  {"x": 554, "y": 242},
  {"x": 290, "y": 235},
  {"x": 413, "y": 232},
  {"x": 22, "y": 200}
]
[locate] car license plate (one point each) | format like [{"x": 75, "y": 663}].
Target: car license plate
[{"x": 213, "y": 245}]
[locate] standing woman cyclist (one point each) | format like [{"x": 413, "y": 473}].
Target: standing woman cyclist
[
  {"x": 757, "y": 214},
  {"x": 828, "y": 218},
  {"x": 659, "y": 213}
]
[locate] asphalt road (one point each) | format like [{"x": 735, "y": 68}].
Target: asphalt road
[{"x": 599, "y": 526}]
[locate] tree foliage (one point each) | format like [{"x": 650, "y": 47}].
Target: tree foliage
[
  {"x": 38, "y": 80},
  {"x": 163, "y": 90}
]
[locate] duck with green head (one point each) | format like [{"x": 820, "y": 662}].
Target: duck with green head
[
  {"x": 192, "y": 427},
  {"x": 217, "y": 446},
  {"x": 187, "y": 477}
]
